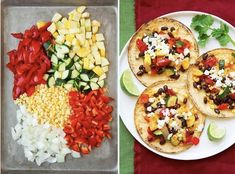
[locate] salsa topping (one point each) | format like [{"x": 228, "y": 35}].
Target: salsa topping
[
  {"x": 162, "y": 52},
  {"x": 217, "y": 81},
  {"x": 169, "y": 118}
]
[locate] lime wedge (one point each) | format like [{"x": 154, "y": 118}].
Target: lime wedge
[
  {"x": 214, "y": 132},
  {"x": 127, "y": 84}
]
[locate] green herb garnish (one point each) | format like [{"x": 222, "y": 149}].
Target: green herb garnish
[
  {"x": 202, "y": 24},
  {"x": 179, "y": 43}
]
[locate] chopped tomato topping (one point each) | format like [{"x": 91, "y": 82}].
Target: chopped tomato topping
[
  {"x": 210, "y": 62},
  {"x": 223, "y": 106},
  {"x": 141, "y": 45},
  {"x": 144, "y": 98},
  {"x": 161, "y": 62},
  {"x": 171, "y": 92}
]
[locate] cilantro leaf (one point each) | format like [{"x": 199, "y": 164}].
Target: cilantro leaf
[{"x": 203, "y": 25}]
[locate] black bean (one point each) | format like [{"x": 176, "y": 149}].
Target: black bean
[
  {"x": 164, "y": 28},
  {"x": 211, "y": 97},
  {"x": 205, "y": 100},
  {"x": 147, "y": 104},
  {"x": 172, "y": 51},
  {"x": 175, "y": 76},
  {"x": 184, "y": 123},
  {"x": 231, "y": 107},
  {"x": 171, "y": 35},
  {"x": 204, "y": 56},
  {"x": 197, "y": 63},
  {"x": 185, "y": 100},
  {"x": 141, "y": 54},
  {"x": 182, "y": 69},
  {"x": 217, "y": 111},
  {"x": 140, "y": 73},
  {"x": 156, "y": 95},
  {"x": 196, "y": 116},
  {"x": 160, "y": 91},
  {"x": 172, "y": 29},
  {"x": 176, "y": 106},
  {"x": 165, "y": 88},
  {"x": 200, "y": 67},
  {"x": 195, "y": 84},
  {"x": 223, "y": 80},
  {"x": 141, "y": 67},
  {"x": 207, "y": 90},
  {"x": 162, "y": 140},
  {"x": 159, "y": 104},
  {"x": 188, "y": 55},
  {"x": 208, "y": 68},
  {"x": 205, "y": 86}
]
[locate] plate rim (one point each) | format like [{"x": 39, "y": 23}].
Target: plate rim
[{"x": 166, "y": 155}]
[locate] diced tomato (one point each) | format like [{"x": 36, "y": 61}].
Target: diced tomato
[
  {"x": 223, "y": 106},
  {"x": 144, "y": 98},
  {"x": 210, "y": 62},
  {"x": 171, "y": 42},
  {"x": 180, "y": 50},
  {"x": 162, "y": 62},
  {"x": 232, "y": 96},
  {"x": 209, "y": 81},
  {"x": 215, "y": 90},
  {"x": 195, "y": 140},
  {"x": 186, "y": 43},
  {"x": 146, "y": 118},
  {"x": 171, "y": 92},
  {"x": 141, "y": 45}
]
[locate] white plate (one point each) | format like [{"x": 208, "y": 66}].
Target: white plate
[{"x": 205, "y": 148}]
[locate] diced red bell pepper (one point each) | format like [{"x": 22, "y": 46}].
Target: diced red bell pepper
[
  {"x": 210, "y": 62},
  {"x": 171, "y": 92},
  {"x": 223, "y": 106},
  {"x": 141, "y": 45},
  {"x": 195, "y": 140},
  {"x": 17, "y": 35},
  {"x": 45, "y": 36},
  {"x": 162, "y": 62},
  {"x": 144, "y": 98}
]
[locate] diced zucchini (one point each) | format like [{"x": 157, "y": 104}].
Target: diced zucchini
[
  {"x": 54, "y": 59},
  {"x": 84, "y": 77},
  {"x": 94, "y": 79},
  {"x": 50, "y": 71},
  {"x": 76, "y": 58},
  {"x": 62, "y": 49},
  {"x": 47, "y": 45},
  {"x": 46, "y": 76},
  {"x": 104, "y": 62},
  {"x": 62, "y": 67},
  {"x": 65, "y": 74},
  {"x": 68, "y": 86},
  {"x": 51, "y": 81},
  {"x": 77, "y": 66},
  {"x": 69, "y": 63},
  {"x": 101, "y": 83},
  {"x": 94, "y": 86},
  {"x": 87, "y": 87},
  {"x": 172, "y": 100},
  {"x": 59, "y": 82},
  {"x": 82, "y": 84},
  {"x": 57, "y": 75},
  {"x": 70, "y": 82},
  {"x": 157, "y": 132},
  {"x": 54, "y": 67},
  {"x": 74, "y": 74}
]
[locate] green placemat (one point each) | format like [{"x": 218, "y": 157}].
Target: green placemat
[{"x": 127, "y": 28}]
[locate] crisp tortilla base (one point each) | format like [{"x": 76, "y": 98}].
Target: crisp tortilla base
[
  {"x": 155, "y": 25},
  {"x": 198, "y": 95},
  {"x": 142, "y": 125}
]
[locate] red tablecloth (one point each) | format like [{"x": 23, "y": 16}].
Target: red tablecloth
[{"x": 146, "y": 162}]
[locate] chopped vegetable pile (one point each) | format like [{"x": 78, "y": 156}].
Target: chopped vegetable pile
[{"x": 59, "y": 70}]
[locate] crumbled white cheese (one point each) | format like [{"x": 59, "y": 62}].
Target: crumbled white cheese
[
  {"x": 186, "y": 51},
  {"x": 149, "y": 108},
  {"x": 173, "y": 111},
  {"x": 167, "y": 119},
  {"x": 166, "y": 112},
  {"x": 160, "y": 124},
  {"x": 169, "y": 136},
  {"x": 162, "y": 101},
  {"x": 151, "y": 99},
  {"x": 174, "y": 125}
]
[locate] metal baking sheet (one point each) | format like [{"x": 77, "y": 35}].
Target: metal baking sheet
[{"x": 17, "y": 15}]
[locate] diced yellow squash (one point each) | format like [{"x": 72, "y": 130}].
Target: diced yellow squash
[
  {"x": 86, "y": 63},
  {"x": 100, "y": 45},
  {"x": 95, "y": 23},
  {"x": 60, "y": 39},
  {"x": 56, "y": 17},
  {"x": 95, "y": 29},
  {"x": 105, "y": 68},
  {"x": 153, "y": 122},
  {"x": 85, "y": 15},
  {"x": 75, "y": 42},
  {"x": 76, "y": 49},
  {"x": 90, "y": 42},
  {"x": 55, "y": 34},
  {"x": 88, "y": 25},
  {"x": 76, "y": 17},
  {"x": 197, "y": 72},
  {"x": 71, "y": 54},
  {"x": 88, "y": 35},
  {"x": 86, "y": 44},
  {"x": 64, "y": 20},
  {"x": 190, "y": 121},
  {"x": 82, "y": 22},
  {"x": 52, "y": 28},
  {"x": 99, "y": 37},
  {"x": 67, "y": 43},
  {"x": 81, "y": 38},
  {"x": 185, "y": 63},
  {"x": 91, "y": 65},
  {"x": 63, "y": 31},
  {"x": 98, "y": 70},
  {"x": 160, "y": 53},
  {"x": 74, "y": 30},
  {"x": 102, "y": 52},
  {"x": 81, "y": 9},
  {"x": 147, "y": 59},
  {"x": 67, "y": 24},
  {"x": 102, "y": 77},
  {"x": 59, "y": 25},
  {"x": 83, "y": 52},
  {"x": 104, "y": 62},
  {"x": 94, "y": 48},
  {"x": 69, "y": 37},
  {"x": 82, "y": 30},
  {"x": 74, "y": 24},
  {"x": 96, "y": 55},
  {"x": 40, "y": 24}
]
